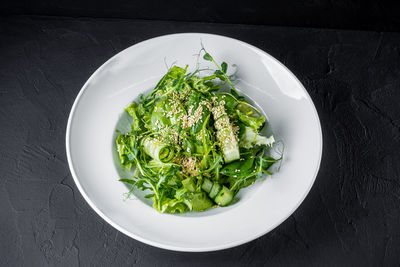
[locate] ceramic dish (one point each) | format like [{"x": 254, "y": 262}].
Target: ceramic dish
[{"x": 98, "y": 112}]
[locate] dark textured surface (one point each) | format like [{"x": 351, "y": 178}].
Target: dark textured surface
[
  {"x": 351, "y": 216},
  {"x": 378, "y": 15}
]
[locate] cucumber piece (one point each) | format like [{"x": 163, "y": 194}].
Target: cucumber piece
[
  {"x": 207, "y": 185},
  {"x": 231, "y": 150},
  {"x": 215, "y": 190},
  {"x": 224, "y": 197},
  {"x": 225, "y": 135},
  {"x": 157, "y": 149}
]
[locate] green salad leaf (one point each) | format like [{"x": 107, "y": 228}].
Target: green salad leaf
[{"x": 193, "y": 146}]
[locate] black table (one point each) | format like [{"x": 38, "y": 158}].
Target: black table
[{"x": 350, "y": 217}]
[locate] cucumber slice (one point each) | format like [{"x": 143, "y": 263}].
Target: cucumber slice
[
  {"x": 231, "y": 149},
  {"x": 215, "y": 190},
  {"x": 224, "y": 197},
  {"x": 227, "y": 139},
  {"x": 207, "y": 185},
  {"x": 157, "y": 149}
]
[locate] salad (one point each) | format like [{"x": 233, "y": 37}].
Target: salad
[{"x": 192, "y": 145}]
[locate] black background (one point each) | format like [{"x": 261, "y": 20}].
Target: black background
[
  {"x": 350, "y": 14},
  {"x": 346, "y": 53}
]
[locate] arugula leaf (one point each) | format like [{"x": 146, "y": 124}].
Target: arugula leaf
[
  {"x": 203, "y": 85},
  {"x": 183, "y": 143}
]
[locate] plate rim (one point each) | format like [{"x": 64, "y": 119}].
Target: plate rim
[{"x": 173, "y": 247}]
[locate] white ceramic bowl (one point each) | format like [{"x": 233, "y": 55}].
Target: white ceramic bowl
[{"x": 98, "y": 112}]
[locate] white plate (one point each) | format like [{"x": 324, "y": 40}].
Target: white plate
[{"x": 98, "y": 109}]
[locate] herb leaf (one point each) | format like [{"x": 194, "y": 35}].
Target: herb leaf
[
  {"x": 207, "y": 57},
  {"x": 224, "y": 67},
  {"x": 190, "y": 147}
]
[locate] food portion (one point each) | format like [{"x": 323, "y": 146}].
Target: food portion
[{"x": 193, "y": 146}]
